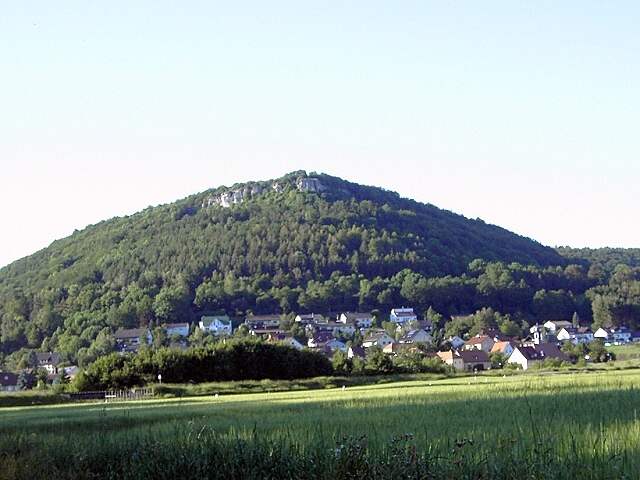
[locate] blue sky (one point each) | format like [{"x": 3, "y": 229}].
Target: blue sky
[{"x": 522, "y": 113}]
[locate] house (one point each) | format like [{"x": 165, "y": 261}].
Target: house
[
  {"x": 396, "y": 348},
  {"x": 48, "y": 361},
  {"x": 416, "y": 336},
  {"x": 540, "y": 335},
  {"x": 575, "y": 335},
  {"x": 309, "y": 318},
  {"x": 177, "y": 329},
  {"x": 334, "y": 345},
  {"x": 475, "y": 359},
  {"x": 353, "y": 352},
  {"x": 319, "y": 339},
  {"x": 217, "y": 325},
  {"x": 555, "y": 326},
  {"x": 528, "y": 356},
  {"x": 479, "y": 342},
  {"x": 334, "y": 327},
  {"x": 402, "y": 315},
  {"x": 456, "y": 342},
  {"x": 377, "y": 338},
  {"x": 262, "y": 321},
  {"x": 617, "y": 336},
  {"x": 8, "y": 382},
  {"x": 425, "y": 325},
  {"x": 265, "y": 332},
  {"x": 505, "y": 348},
  {"x": 130, "y": 339},
  {"x": 452, "y": 358},
  {"x": 285, "y": 339},
  {"x": 359, "y": 319}
]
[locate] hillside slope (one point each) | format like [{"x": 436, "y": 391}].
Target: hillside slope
[{"x": 270, "y": 240}]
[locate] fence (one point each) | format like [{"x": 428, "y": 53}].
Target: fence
[{"x": 114, "y": 395}]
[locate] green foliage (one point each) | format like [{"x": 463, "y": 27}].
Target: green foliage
[
  {"x": 232, "y": 360},
  {"x": 348, "y": 248}
]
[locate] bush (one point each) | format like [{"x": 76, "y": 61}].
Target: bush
[{"x": 232, "y": 360}]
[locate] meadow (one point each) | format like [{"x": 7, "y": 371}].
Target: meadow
[{"x": 569, "y": 425}]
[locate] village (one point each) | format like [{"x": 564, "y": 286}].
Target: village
[{"x": 354, "y": 335}]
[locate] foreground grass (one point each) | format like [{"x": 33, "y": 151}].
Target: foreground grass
[{"x": 582, "y": 425}]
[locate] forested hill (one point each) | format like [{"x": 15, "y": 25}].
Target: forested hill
[{"x": 255, "y": 247}]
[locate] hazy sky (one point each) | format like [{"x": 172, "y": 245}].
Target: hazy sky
[{"x": 523, "y": 113}]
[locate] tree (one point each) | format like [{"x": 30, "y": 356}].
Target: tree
[
  {"x": 377, "y": 363},
  {"x": 26, "y": 381},
  {"x": 341, "y": 364}
]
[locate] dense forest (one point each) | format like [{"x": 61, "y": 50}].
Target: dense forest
[{"x": 285, "y": 245}]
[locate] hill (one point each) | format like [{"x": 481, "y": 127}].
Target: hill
[{"x": 266, "y": 246}]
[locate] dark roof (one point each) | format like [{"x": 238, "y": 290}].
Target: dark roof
[
  {"x": 357, "y": 315},
  {"x": 123, "y": 333},
  {"x": 322, "y": 337},
  {"x": 176, "y": 325},
  {"x": 358, "y": 351},
  {"x": 579, "y": 330},
  {"x": 48, "y": 358},
  {"x": 8, "y": 379},
  {"x": 474, "y": 356},
  {"x": 412, "y": 333},
  {"x": 263, "y": 318},
  {"x": 542, "y": 352}
]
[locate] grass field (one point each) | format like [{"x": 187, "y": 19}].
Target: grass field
[
  {"x": 630, "y": 351},
  {"x": 580, "y": 425}
]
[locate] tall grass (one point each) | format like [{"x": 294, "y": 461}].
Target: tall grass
[{"x": 566, "y": 426}]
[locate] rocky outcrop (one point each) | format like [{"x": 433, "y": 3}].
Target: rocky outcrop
[{"x": 248, "y": 191}]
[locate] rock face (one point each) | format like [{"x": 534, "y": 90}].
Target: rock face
[
  {"x": 308, "y": 184},
  {"x": 248, "y": 191}
]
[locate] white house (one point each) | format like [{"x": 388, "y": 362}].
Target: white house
[
  {"x": 527, "y": 356},
  {"x": 359, "y": 319},
  {"x": 613, "y": 335},
  {"x": 49, "y": 361},
  {"x": 402, "y": 315},
  {"x": 554, "y": 326},
  {"x": 575, "y": 335},
  {"x": 379, "y": 338},
  {"x": 217, "y": 325},
  {"x": 479, "y": 342},
  {"x": 177, "y": 329},
  {"x": 416, "y": 336}
]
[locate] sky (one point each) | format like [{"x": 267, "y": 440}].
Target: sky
[{"x": 522, "y": 113}]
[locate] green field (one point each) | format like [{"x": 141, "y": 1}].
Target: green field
[
  {"x": 630, "y": 351},
  {"x": 579, "y": 425}
]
